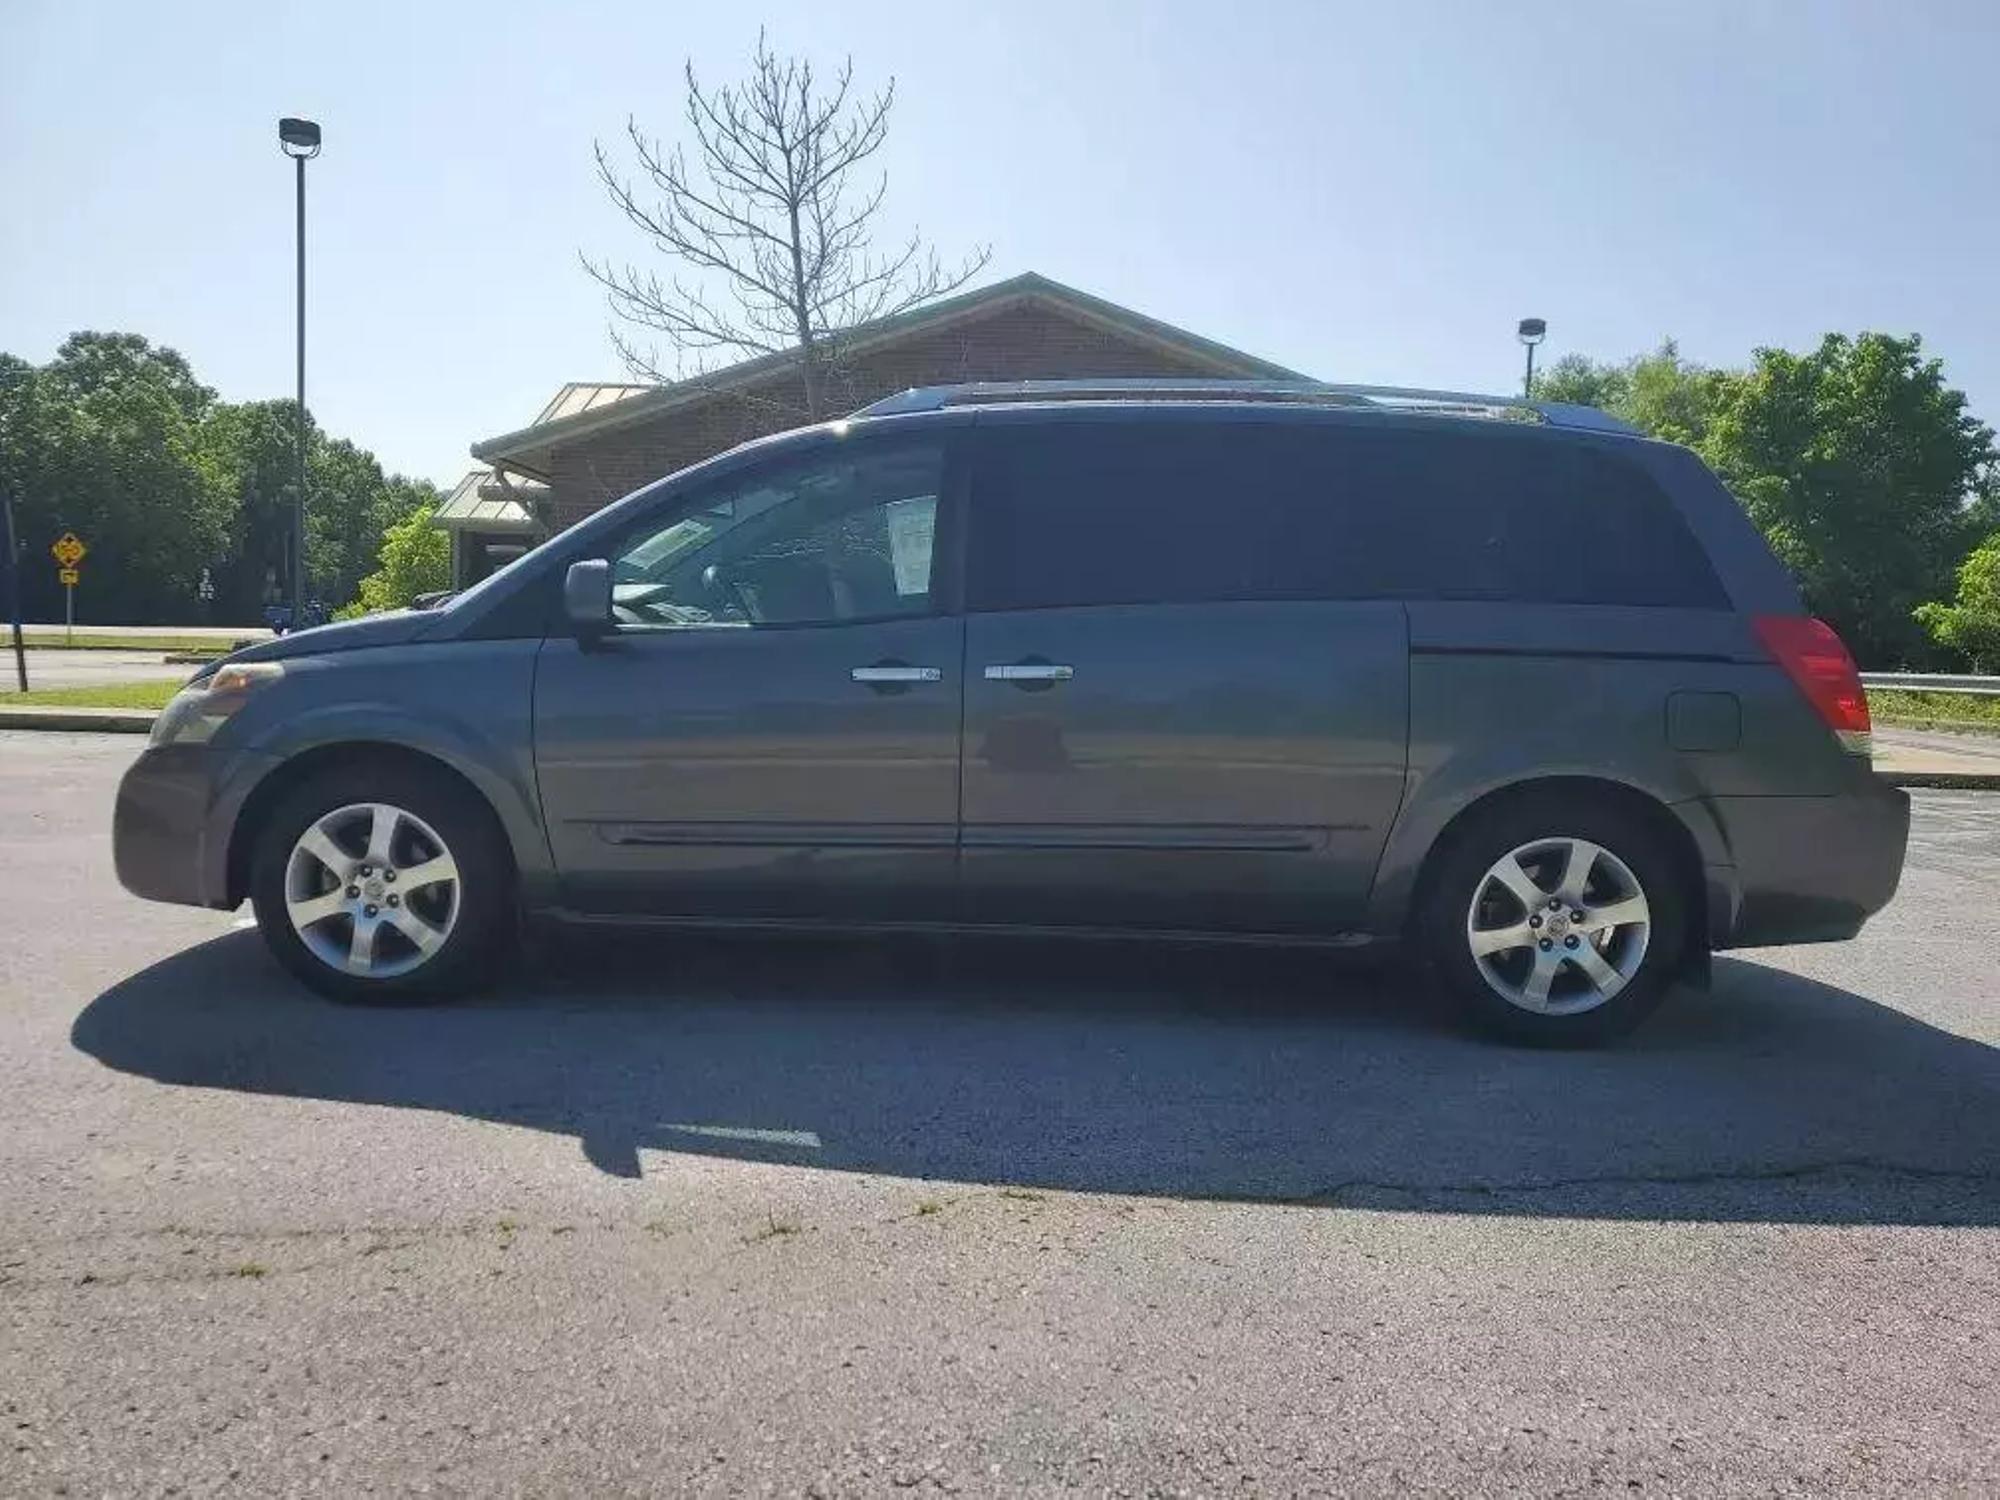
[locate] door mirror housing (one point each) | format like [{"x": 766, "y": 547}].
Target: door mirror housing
[{"x": 587, "y": 597}]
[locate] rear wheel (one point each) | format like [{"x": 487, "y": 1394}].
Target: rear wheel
[
  {"x": 383, "y": 883},
  {"x": 1556, "y": 921}
]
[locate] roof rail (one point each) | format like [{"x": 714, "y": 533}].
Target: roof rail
[{"x": 1292, "y": 392}]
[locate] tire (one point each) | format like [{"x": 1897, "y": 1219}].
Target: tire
[
  {"x": 430, "y": 935},
  {"x": 1604, "y": 975}
]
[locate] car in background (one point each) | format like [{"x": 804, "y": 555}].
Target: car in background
[{"x": 278, "y": 617}]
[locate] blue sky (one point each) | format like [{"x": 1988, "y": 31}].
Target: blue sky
[{"x": 1365, "y": 192}]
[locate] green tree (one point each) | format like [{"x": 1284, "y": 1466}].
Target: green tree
[
  {"x": 415, "y": 558},
  {"x": 397, "y": 501},
  {"x": 350, "y": 504},
  {"x": 1970, "y": 625},
  {"x": 1982, "y": 516},
  {"x": 253, "y": 457},
  {"x": 115, "y": 439},
  {"x": 105, "y": 440},
  {"x": 1858, "y": 462},
  {"x": 1660, "y": 393},
  {"x": 354, "y": 506},
  {"x": 1675, "y": 399},
  {"x": 1583, "y": 381}
]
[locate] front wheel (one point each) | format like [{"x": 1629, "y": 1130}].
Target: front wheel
[
  {"x": 383, "y": 883},
  {"x": 1556, "y": 921}
]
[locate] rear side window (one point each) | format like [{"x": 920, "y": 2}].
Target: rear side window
[{"x": 1156, "y": 512}]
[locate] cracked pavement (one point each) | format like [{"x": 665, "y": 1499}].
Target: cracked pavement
[{"x": 837, "y": 1218}]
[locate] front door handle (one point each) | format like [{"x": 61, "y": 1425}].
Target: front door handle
[
  {"x": 1030, "y": 673},
  {"x": 895, "y": 672}
]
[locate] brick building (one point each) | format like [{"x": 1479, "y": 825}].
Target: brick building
[{"x": 594, "y": 443}]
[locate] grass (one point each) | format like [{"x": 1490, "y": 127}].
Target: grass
[
  {"x": 152, "y": 696},
  {"x": 1924, "y": 710},
  {"x": 50, "y": 638}
]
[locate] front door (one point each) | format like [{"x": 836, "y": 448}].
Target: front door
[
  {"x": 771, "y": 728},
  {"x": 1170, "y": 720}
]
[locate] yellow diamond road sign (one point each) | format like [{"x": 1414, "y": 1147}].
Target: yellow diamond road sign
[{"x": 69, "y": 549}]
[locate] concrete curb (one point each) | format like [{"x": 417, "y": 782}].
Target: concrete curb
[
  {"x": 1964, "y": 781},
  {"x": 93, "y": 720}
]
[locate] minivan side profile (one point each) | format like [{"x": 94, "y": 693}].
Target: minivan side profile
[{"x": 1502, "y": 681}]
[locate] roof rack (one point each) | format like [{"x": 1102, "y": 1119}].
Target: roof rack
[{"x": 1283, "y": 392}]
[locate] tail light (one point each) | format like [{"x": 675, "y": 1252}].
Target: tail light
[{"x": 1814, "y": 658}]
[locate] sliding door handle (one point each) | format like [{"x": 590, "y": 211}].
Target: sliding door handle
[{"x": 1030, "y": 673}]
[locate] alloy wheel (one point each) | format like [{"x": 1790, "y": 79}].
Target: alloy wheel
[
  {"x": 1558, "y": 926},
  {"x": 372, "y": 890}
]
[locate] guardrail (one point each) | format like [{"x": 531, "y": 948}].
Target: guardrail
[{"x": 1933, "y": 682}]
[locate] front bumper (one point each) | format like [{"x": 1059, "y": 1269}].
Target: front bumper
[
  {"x": 170, "y": 827},
  {"x": 1812, "y": 869}
]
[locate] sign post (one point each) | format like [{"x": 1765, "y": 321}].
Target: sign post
[{"x": 68, "y": 551}]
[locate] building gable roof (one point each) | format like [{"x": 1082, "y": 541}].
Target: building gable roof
[
  {"x": 479, "y": 503},
  {"x": 582, "y": 409},
  {"x": 580, "y": 396}
]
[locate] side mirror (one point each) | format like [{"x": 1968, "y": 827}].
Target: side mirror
[{"x": 587, "y": 597}]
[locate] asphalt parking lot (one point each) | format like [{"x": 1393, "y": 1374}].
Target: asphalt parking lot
[
  {"x": 842, "y": 1218},
  {"x": 57, "y": 668}
]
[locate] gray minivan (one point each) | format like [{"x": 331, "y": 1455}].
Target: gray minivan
[{"x": 1505, "y": 681}]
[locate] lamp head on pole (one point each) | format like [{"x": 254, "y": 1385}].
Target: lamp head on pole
[
  {"x": 1532, "y": 331},
  {"x": 298, "y": 138}
]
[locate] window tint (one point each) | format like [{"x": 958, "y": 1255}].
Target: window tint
[
  {"x": 1108, "y": 513},
  {"x": 846, "y": 537}
]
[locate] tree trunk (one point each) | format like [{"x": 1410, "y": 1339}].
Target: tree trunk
[
  {"x": 808, "y": 356},
  {"x": 809, "y": 368}
]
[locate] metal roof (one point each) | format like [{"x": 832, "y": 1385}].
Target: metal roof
[
  {"x": 579, "y": 396},
  {"x": 479, "y": 503}
]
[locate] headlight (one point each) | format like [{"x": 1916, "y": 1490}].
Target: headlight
[{"x": 202, "y": 707}]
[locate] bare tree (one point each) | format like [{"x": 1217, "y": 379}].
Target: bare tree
[{"x": 772, "y": 230}]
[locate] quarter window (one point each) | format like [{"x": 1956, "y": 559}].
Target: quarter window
[{"x": 1187, "y": 512}]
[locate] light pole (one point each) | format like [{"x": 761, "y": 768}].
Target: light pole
[
  {"x": 299, "y": 139},
  {"x": 1531, "y": 332},
  {"x": 13, "y": 571}
]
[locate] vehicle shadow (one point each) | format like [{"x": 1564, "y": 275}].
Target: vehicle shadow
[{"x": 1123, "y": 1068}]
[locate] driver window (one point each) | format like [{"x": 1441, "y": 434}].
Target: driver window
[{"x": 842, "y": 537}]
